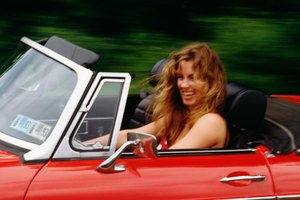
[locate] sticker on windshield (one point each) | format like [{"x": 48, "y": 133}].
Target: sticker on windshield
[{"x": 31, "y": 127}]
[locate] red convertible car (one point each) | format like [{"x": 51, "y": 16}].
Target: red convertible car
[{"x": 51, "y": 103}]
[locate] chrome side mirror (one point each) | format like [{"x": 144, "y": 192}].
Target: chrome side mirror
[
  {"x": 147, "y": 145},
  {"x": 142, "y": 144}
]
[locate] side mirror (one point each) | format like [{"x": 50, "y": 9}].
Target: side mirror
[
  {"x": 142, "y": 144},
  {"x": 147, "y": 145}
]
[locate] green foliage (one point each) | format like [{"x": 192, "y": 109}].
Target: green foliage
[{"x": 257, "y": 40}]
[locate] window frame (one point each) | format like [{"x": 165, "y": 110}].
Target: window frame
[
  {"x": 65, "y": 149},
  {"x": 98, "y": 90}
]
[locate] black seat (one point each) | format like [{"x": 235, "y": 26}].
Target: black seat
[
  {"x": 244, "y": 110},
  {"x": 142, "y": 114}
]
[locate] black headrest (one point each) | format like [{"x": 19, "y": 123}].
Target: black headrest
[
  {"x": 156, "y": 71},
  {"x": 245, "y": 107},
  {"x": 71, "y": 51}
]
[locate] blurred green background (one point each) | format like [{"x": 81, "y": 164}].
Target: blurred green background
[{"x": 257, "y": 40}]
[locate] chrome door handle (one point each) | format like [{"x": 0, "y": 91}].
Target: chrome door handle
[{"x": 243, "y": 178}]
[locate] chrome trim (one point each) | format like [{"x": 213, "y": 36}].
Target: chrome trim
[
  {"x": 207, "y": 151},
  {"x": 279, "y": 197},
  {"x": 109, "y": 165},
  {"x": 197, "y": 152},
  {"x": 255, "y": 198},
  {"x": 243, "y": 178},
  {"x": 288, "y": 196}
]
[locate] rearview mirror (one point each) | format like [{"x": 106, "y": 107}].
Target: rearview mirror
[{"x": 142, "y": 144}]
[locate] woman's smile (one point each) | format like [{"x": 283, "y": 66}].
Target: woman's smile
[{"x": 187, "y": 94}]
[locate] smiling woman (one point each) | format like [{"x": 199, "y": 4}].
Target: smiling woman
[
  {"x": 190, "y": 98},
  {"x": 188, "y": 102}
]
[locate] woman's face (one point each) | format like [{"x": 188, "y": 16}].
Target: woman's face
[{"x": 190, "y": 90}]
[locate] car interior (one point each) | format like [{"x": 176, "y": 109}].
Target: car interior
[{"x": 245, "y": 109}]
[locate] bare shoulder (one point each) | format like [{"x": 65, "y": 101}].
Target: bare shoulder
[
  {"x": 209, "y": 131},
  {"x": 214, "y": 118},
  {"x": 214, "y": 128}
]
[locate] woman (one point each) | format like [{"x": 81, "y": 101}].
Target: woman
[{"x": 189, "y": 101}]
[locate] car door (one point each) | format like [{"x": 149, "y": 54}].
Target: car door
[
  {"x": 240, "y": 174},
  {"x": 211, "y": 174}
]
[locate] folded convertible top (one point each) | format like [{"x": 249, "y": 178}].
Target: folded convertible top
[
  {"x": 282, "y": 125},
  {"x": 71, "y": 51}
]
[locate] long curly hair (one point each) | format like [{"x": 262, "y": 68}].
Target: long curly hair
[{"x": 168, "y": 104}]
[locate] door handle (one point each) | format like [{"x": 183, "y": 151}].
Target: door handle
[{"x": 243, "y": 178}]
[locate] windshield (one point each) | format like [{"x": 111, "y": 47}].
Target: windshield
[{"x": 33, "y": 92}]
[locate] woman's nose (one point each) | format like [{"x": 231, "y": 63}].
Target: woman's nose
[{"x": 184, "y": 83}]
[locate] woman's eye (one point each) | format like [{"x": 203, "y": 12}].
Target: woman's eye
[
  {"x": 191, "y": 77},
  {"x": 179, "y": 77}
]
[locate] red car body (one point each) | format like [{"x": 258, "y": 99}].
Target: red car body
[
  {"x": 176, "y": 177},
  {"x": 245, "y": 173}
]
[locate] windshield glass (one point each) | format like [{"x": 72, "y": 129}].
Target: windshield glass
[{"x": 33, "y": 92}]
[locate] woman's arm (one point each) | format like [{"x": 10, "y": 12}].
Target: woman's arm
[{"x": 150, "y": 128}]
